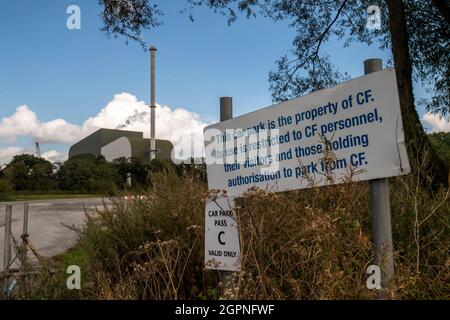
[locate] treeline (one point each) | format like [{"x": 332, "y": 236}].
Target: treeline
[
  {"x": 87, "y": 174},
  {"x": 441, "y": 145},
  {"x": 83, "y": 174}
]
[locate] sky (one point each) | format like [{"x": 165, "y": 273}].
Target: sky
[{"x": 59, "y": 85}]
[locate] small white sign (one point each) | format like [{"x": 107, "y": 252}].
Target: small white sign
[{"x": 222, "y": 250}]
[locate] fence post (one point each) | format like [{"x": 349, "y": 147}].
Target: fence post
[
  {"x": 7, "y": 247},
  {"x": 381, "y": 210},
  {"x": 24, "y": 236},
  {"x": 7, "y": 243}
]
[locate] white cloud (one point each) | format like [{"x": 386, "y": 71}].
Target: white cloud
[
  {"x": 6, "y": 154},
  {"x": 58, "y": 131},
  {"x": 437, "y": 124},
  {"x": 54, "y": 156},
  {"x": 124, "y": 112},
  {"x": 122, "y": 107},
  {"x": 23, "y": 122}
]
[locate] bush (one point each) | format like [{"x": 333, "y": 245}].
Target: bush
[
  {"x": 29, "y": 173},
  {"x": 305, "y": 244},
  {"x": 5, "y": 189},
  {"x": 150, "y": 248},
  {"x": 88, "y": 174},
  {"x": 441, "y": 144}
]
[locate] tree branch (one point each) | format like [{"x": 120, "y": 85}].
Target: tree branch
[
  {"x": 315, "y": 55},
  {"x": 443, "y": 8}
]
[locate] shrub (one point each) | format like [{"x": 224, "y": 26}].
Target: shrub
[
  {"x": 305, "y": 244},
  {"x": 26, "y": 172},
  {"x": 151, "y": 247},
  {"x": 88, "y": 174},
  {"x": 5, "y": 189}
]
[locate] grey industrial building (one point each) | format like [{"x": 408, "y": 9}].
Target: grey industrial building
[{"x": 113, "y": 144}]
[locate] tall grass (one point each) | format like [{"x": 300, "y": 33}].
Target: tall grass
[
  {"x": 306, "y": 244},
  {"x": 151, "y": 247}
]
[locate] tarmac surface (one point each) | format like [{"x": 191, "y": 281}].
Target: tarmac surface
[{"x": 47, "y": 223}]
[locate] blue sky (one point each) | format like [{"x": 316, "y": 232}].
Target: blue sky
[{"x": 73, "y": 74}]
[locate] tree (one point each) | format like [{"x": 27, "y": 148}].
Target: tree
[
  {"x": 128, "y": 18},
  {"x": 5, "y": 189},
  {"x": 88, "y": 174},
  {"x": 416, "y": 32},
  {"x": 122, "y": 167},
  {"x": 28, "y": 160},
  {"x": 42, "y": 177},
  {"x": 140, "y": 172},
  {"x": 26, "y": 172},
  {"x": 18, "y": 177},
  {"x": 441, "y": 143},
  {"x": 135, "y": 168}
]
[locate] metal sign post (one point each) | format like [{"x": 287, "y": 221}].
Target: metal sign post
[
  {"x": 152, "y": 104},
  {"x": 226, "y": 108},
  {"x": 226, "y": 113},
  {"x": 381, "y": 210}
]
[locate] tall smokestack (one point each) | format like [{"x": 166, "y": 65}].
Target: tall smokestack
[{"x": 152, "y": 104}]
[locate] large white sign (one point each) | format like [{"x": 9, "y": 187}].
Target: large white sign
[
  {"x": 222, "y": 250},
  {"x": 283, "y": 147}
]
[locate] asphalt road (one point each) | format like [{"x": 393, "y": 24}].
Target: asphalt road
[{"x": 46, "y": 223}]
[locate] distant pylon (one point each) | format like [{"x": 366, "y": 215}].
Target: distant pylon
[{"x": 38, "y": 150}]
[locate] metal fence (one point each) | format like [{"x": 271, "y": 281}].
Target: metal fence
[{"x": 13, "y": 250}]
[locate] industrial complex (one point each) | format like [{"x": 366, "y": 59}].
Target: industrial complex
[{"x": 113, "y": 144}]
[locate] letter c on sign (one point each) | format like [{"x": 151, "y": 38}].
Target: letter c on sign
[{"x": 220, "y": 237}]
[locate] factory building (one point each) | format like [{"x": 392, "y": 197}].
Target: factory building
[{"x": 113, "y": 144}]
